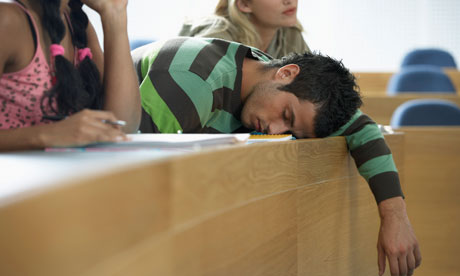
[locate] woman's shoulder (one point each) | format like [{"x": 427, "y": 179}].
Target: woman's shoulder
[
  {"x": 293, "y": 36},
  {"x": 291, "y": 32},
  {"x": 11, "y": 17},
  {"x": 212, "y": 26},
  {"x": 286, "y": 41},
  {"x": 13, "y": 23}
]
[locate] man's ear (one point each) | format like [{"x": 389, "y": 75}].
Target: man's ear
[
  {"x": 287, "y": 73},
  {"x": 243, "y": 6}
]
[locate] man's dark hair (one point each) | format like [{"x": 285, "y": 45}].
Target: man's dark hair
[{"x": 327, "y": 84}]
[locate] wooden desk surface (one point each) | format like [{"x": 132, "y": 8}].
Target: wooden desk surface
[
  {"x": 288, "y": 208},
  {"x": 381, "y": 108},
  {"x": 28, "y": 173}
]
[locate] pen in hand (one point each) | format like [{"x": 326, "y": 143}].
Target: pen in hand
[
  {"x": 115, "y": 123},
  {"x": 60, "y": 117}
]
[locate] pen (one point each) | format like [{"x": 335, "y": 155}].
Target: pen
[
  {"x": 60, "y": 117},
  {"x": 115, "y": 123}
]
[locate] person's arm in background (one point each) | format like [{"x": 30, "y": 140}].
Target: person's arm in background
[
  {"x": 119, "y": 77},
  {"x": 375, "y": 163}
]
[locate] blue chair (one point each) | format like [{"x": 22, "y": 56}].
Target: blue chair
[
  {"x": 139, "y": 42},
  {"x": 435, "y": 57},
  {"x": 426, "y": 112},
  {"x": 420, "y": 78}
]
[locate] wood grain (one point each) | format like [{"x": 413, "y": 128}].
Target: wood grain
[
  {"x": 334, "y": 240},
  {"x": 289, "y": 208},
  {"x": 432, "y": 188},
  {"x": 65, "y": 231}
]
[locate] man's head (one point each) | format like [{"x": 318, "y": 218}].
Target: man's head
[{"x": 309, "y": 95}]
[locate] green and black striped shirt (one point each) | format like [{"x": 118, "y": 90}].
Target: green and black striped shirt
[{"x": 193, "y": 85}]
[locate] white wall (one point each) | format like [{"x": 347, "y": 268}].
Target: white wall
[
  {"x": 376, "y": 34},
  {"x": 158, "y": 19},
  {"x": 369, "y": 35}
]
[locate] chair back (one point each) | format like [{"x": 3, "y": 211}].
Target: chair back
[
  {"x": 139, "y": 42},
  {"x": 436, "y": 57},
  {"x": 426, "y": 112},
  {"x": 420, "y": 78}
]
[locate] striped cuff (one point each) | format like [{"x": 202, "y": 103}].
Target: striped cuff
[{"x": 385, "y": 185}]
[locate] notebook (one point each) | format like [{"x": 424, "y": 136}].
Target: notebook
[{"x": 255, "y": 138}]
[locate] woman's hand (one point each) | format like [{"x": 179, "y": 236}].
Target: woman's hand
[
  {"x": 105, "y": 6},
  {"x": 80, "y": 129}
]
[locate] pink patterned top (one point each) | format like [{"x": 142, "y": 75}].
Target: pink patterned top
[{"x": 21, "y": 92}]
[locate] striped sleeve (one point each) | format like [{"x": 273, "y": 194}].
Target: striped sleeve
[{"x": 372, "y": 156}]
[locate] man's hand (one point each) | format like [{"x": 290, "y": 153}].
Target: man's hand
[{"x": 397, "y": 240}]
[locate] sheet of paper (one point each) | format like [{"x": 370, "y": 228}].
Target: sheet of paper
[
  {"x": 175, "y": 140},
  {"x": 163, "y": 141}
]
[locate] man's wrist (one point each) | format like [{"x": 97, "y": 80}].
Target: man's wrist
[{"x": 391, "y": 207}]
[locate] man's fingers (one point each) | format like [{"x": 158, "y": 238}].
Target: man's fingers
[
  {"x": 381, "y": 260},
  {"x": 410, "y": 263},
  {"x": 402, "y": 265},
  {"x": 418, "y": 256},
  {"x": 394, "y": 265}
]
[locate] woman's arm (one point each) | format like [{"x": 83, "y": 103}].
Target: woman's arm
[
  {"x": 120, "y": 80},
  {"x": 79, "y": 129}
]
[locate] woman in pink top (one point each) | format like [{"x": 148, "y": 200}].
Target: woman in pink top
[{"x": 52, "y": 67}]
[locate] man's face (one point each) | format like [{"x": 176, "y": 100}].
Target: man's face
[{"x": 272, "y": 111}]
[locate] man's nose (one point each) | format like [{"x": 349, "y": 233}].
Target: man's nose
[{"x": 277, "y": 128}]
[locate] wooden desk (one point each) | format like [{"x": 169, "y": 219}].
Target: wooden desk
[
  {"x": 432, "y": 188},
  {"x": 288, "y": 208},
  {"x": 381, "y": 108},
  {"x": 375, "y": 83}
]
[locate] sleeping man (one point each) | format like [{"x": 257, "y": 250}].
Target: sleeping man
[{"x": 196, "y": 85}]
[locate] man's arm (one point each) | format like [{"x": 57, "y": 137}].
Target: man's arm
[
  {"x": 375, "y": 163},
  {"x": 397, "y": 240}
]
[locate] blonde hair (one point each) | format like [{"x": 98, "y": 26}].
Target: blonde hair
[{"x": 238, "y": 23}]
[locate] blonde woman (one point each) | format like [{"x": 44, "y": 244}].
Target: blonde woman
[{"x": 270, "y": 25}]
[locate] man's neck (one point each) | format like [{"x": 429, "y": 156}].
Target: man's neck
[{"x": 253, "y": 73}]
